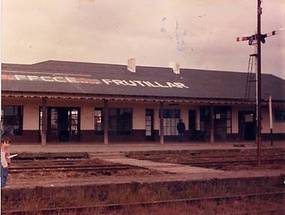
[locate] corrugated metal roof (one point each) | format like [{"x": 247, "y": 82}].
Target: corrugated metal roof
[{"x": 110, "y": 79}]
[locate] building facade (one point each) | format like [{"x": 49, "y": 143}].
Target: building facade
[{"x": 57, "y": 101}]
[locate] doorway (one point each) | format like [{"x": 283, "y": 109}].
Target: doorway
[
  {"x": 63, "y": 124},
  {"x": 246, "y": 125},
  {"x": 222, "y": 122},
  {"x": 192, "y": 125}
]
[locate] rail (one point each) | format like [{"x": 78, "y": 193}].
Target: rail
[{"x": 59, "y": 210}]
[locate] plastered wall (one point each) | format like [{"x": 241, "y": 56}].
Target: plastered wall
[
  {"x": 87, "y": 117},
  {"x": 235, "y": 127},
  {"x": 278, "y": 127},
  {"x": 31, "y": 117},
  {"x": 31, "y": 111}
]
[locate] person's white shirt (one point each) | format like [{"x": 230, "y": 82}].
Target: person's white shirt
[{"x": 4, "y": 162}]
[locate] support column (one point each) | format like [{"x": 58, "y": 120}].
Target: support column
[
  {"x": 212, "y": 134},
  {"x": 44, "y": 122},
  {"x": 161, "y": 123},
  {"x": 106, "y": 122}
]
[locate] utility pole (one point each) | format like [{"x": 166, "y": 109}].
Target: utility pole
[
  {"x": 257, "y": 39},
  {"x": 258, "y": 87}
]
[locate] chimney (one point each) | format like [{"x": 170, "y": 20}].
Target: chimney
[
  {"x": 175, "y": 67},
  {"x": 132, "y": 64}
]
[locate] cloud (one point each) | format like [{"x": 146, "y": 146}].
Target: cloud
[{"x": 197, "y": 34}]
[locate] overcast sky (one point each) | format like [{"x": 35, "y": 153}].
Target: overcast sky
[{"x": 194, "y": 33}]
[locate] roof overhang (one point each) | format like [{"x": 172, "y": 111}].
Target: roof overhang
[{"x": 198, "y": 101}]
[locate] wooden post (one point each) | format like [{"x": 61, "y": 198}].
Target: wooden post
[
  {"x": 161, "y": 123},
  {"x": 106, "y": 122},
  {"x": 44, "y": 122},
  {"x": 212, "y": 129},
  {"x": 270, "y": 120}
]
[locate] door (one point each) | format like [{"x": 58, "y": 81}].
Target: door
[
  {"x": 205, "y": 123},
  {"x": 192, "y": 124},
  {"x": 63, "y": 124},
  {"x": 149, "y": 124},
  {"x": 52, "y": 124},
  {"x": 222, "y": 122},
  {"x": 247, "y": 125}
]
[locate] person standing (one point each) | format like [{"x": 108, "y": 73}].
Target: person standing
[
  {"x": 181, "y": 130},
  {"x": 5, "y": 160}
]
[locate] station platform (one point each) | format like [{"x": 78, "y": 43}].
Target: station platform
[{"x": 130, "y": 147}]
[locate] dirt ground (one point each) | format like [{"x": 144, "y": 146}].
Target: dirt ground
[
  {"x": 205, "y": 158},
  {"x": 228, "y": 160},
  {"x": 260, "y": 207},
  {"x": 59, "y": 177},
  {"x": 40, "y": 176}
]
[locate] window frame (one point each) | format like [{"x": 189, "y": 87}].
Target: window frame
[
  {"x": 18, "y": 111},
  {"x": 117, "y": 114},
  {"x": 279, "y": 115},
  {"x": 171, "y": 117},
  {"x": 102, "y": 121}
]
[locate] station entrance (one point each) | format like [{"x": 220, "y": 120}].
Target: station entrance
[{"x": 63, "y": 124}]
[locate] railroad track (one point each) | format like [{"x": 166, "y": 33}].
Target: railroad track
[
  {"x": 92, "y": 165},
  {"x": 112, "y": 207},
  {"x": 50, "y": 156},
  {"x": 199, "y": 157},
  {"x": 223, "y": 156},
  {"x": 65, "y": 165},
  {"x": 232, "y": 162},
  {"x": 72, "y": 168}
]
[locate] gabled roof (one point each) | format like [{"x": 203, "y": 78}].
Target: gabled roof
[{"x": 111, "y": 79}]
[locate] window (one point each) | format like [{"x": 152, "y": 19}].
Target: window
[
  {"x": 120, "y": 120},
  {"x": 148, "y": 122},
  {"x": 279, "y": 115},
  {"x": 98, "y": 120},
  {"x": 53, "y": 119},
  {"x": 57, "y": 117},
  {"x": 12, "y": 118},
  {"x": 170, "y": 119},
  {"x": 249, "y": 117},
  {"x": 73, "y": 116}
]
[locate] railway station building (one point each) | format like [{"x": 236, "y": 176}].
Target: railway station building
[{"x": 60, "y": 101}]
